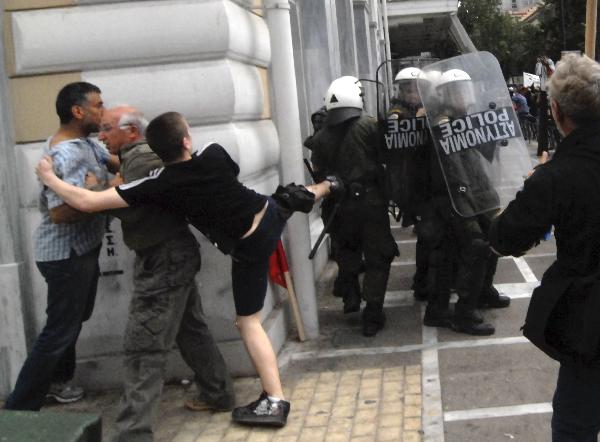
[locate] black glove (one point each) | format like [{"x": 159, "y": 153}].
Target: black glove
[
  {"x": 294, "y": 198},
  {"x": 337, "y": 189}
]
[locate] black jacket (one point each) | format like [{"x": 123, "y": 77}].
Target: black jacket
[
  {"x": 350, "y": 151},
  {"x": 564, "y": 193}
]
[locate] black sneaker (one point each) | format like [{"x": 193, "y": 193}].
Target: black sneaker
[{"x": 262, "y": 412}]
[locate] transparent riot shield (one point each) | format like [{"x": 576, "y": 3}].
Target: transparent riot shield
[
  {"x": 402, "y": 127},
  {"x": 476, "y": 132}
]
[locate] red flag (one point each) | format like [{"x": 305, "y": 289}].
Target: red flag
[{"x": 278, "y": 265}]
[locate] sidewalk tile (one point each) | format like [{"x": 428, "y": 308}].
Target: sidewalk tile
[
  {"x": 348, "y": 389},
  {"x": 345, "y": 411},
  {"x": 412, "y": 411},
  {"x": 209, "y": 438},
  {"x": 389, "y": 434},
  {"x": 320, "y": 408},
  {"x": 368, "y": 415},
  {"x": 282, "y": 438},
  {"x": 368, "y": 393},
  {"x": 236, "y": 433},
  {"x": 413, "y": 369},
  {"x": 370, "y": 383},
  {"x": 395, "y": 406},
  {"x": 302, "y": 393},
  {"x": 413, "y": 379},
  {"x": 370, "y": 438},
  {"x": 364, "y": 429},
  {"x": 261, "y": 435},
  {"x": 345, "y": 399},
  {"x": 412, "y": 423},
  {"x": 300, "y": 405},
  {"x": 411, "y": 436},
  {"x": 324, "y": 396},
  {"x": 337, "y": 437},
  {"x": 390, "y": 420},
  {"x": 412, "y": 399},
  {"x": 313, "y": 434},
  {"x": 372, "y": 373},
  {"x": 368, "y": 403}
]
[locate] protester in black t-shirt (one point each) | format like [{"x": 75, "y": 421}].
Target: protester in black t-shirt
[{"x": 204, "y": 188}]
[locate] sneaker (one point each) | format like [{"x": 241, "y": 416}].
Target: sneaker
[
  {"x": 197, "y": 404},
  {"x": 262, "y": 412},
  {"x": 64, "y": 393}
]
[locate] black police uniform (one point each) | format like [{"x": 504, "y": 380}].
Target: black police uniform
[
  {"x": 361, "y": 226},
  {"x": 458, "y": 250}
]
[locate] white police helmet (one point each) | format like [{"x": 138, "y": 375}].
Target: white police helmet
[
  {"x": 343, "y": 100},
  {"x": 410, "y": 73},
  {"x": 456, "y": 89},
  {"x": 452, "y": 76}
]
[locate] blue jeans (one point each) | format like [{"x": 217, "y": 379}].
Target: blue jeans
[
  {"x": 576, "y": 404},
  {"x": 72, "y": 287}
]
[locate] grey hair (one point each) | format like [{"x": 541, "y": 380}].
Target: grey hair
[
  {"x": 135, "y": 119},
  {"x": 575, "y": 85}
]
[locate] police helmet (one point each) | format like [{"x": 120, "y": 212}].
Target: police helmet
[
  {"x": 343, "y": 100},
  {"x": 410, "y": 73},
  {"x": 456, "y": 89}
]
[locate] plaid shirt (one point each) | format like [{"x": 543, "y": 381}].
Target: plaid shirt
[{"x": 73, "y": 159}]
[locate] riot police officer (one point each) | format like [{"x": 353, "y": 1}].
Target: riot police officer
[
  {"x": 347, "y": 147},
  {"x": 404, "y": 168},
  {"x": 458, "y": 220}
]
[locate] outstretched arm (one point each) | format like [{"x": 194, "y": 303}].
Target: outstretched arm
[{"x": 77, "y": 197}]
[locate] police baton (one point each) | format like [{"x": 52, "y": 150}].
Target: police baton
[{"x": 313, "y": 252}]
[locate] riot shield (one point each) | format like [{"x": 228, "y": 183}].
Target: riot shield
[
  {"x": 476, "y": 132},
  {"x": 402, "y": 127}
]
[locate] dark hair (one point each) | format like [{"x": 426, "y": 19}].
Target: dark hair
[
  {"x": 73, "y": 94},
  {"x": 165, "y": 135}
]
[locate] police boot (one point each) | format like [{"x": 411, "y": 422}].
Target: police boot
[
  {"x": 466, "y": 320},
  {"x": 437, "y": 317},
  {"x": 373, "y": 318},
  {"x": 491, "y": 298},
  {"x": 419, "y": 289},
  {"x": 351, "y": 302}
]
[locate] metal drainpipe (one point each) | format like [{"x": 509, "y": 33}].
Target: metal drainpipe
[{"x": 287, "y": 121}]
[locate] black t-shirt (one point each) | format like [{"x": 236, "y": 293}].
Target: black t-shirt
[{"x": 206, "y": 191}]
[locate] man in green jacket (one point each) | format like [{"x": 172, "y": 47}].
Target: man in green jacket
[{"x": 165, "y": 306}]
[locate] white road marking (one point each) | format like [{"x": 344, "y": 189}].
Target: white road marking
[
  {"x": 433, "y": 414},
  {"x": 486, "y": 413},
  {"x": 525, "y": 269}
]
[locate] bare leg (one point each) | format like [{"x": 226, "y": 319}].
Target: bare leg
[{"x": 261, "y": 353}]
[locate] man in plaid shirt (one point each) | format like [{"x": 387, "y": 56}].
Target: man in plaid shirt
[{"x": 67, "y": 244}]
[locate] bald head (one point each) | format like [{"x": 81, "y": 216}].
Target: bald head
[{"x": 121, "y": 126}]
